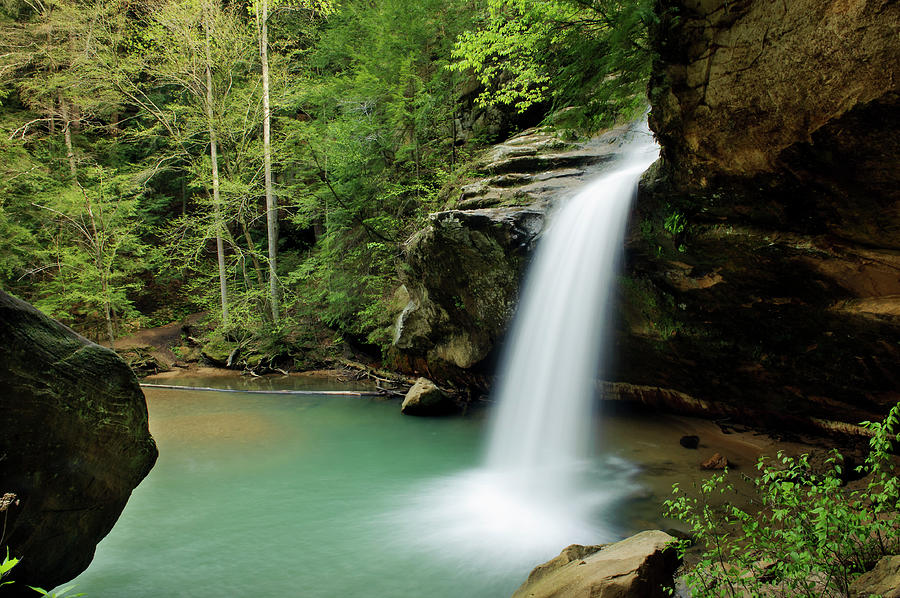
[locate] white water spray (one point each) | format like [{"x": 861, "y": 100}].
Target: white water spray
[
  {"x": 546, "y": 384},
  {"x": 539, "y": 490}
]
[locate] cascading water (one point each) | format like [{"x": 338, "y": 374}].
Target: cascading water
[
  {"x": 546, "y": 384},
  {"x": 539, "y": 490}
]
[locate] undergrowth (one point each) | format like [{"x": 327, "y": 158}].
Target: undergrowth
[{"x": 810, "y": 537}]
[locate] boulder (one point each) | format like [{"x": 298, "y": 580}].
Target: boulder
[
  {"x": 74, "y": 443},
  {"x": 689, "y": 442},
  {"x": 883, "y": 580},
  {"x": 642, "y": 565},
  {"x": 717, "y": 461},
  {"x": 425, "y": 398}
]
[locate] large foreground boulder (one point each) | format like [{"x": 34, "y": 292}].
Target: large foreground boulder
[
  {"x": 74, "y": 443},
  {"x": 641, "y": 566}
]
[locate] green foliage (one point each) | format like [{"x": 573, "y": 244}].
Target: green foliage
[
  {"x": 6, "y": 566},
  {"x": 590, "y": 54},
  {"x": 811, "y": 536},
  {"x": 106, "y": 213},
  {"x": 674, "y": 223}
]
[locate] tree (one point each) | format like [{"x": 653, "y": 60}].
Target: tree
[
  {"x": 214, "y": 161},
  {"x": 589, "y": 54},
  {"x": 262, "y": 18},
  {"x": 47, "y": 59},
  {"x": 94, "y": 250},
  {"x": 191, "y": 59},
  {"x": 261, "y": 12}
]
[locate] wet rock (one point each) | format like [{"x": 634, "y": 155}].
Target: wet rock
[
  {"x": 689, "y": 442},
  {"x": 883, "y": 580},
  {"x": 425, "y": 398},
  {"x": 717, "y": 461},
  {"x": 142, "y": 361},
  {"x": 642, "y": 565},
  {"x": 74, "y": 442}
]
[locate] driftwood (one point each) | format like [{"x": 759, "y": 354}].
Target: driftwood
[
  {"x": 352, "y": 393},
  {"x": 388, "y": 383}
]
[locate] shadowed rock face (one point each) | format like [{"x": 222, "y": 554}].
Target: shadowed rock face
[
  {"x": 74, "y": 442},
  {"x": 783, "y": 115},
  {"x": 740, "y": 82},
  {"x": 778, "y": 299}
]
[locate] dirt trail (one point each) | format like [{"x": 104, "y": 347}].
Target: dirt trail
[{"x": 160, "y": 339}]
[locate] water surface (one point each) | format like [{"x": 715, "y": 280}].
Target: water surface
[{"x": 326, "y": 496}]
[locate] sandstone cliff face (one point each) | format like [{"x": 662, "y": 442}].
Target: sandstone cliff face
[
  {"x": 74, "y": 442},
  {"x": 764, "y": 265},
  {"x": 794, "y": 100}
]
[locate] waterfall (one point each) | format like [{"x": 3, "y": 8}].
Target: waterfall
[
  {"x": 540, "y": 487},
  {"x": 545, "y": 392}
]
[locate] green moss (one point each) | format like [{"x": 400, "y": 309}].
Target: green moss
[{"x": 650, "y": 311}]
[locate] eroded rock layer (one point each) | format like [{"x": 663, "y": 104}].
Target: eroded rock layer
[
  {"x": 462, "y": 272},
  {"x": 764, "y": 271},
  {"x": 74, "y": 442}
]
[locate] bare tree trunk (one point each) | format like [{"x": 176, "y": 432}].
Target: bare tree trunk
[
  {"x": 67, "y": 134},
  {"x": 97, "y": 242},
  {"x": 252, "y": 250},
  {"x": 220, "y": 224},
  {"x": 271, "y": 206}
]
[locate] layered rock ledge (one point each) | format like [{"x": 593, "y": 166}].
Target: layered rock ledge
[{"x": 461, "y": 274}]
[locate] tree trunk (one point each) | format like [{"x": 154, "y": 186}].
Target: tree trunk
[
  {"x": 252, "y": 250},
  {"x": 67, "y": 134},
  {"x": 271, "y": 207},
  {"x": 220, "y": 224}
]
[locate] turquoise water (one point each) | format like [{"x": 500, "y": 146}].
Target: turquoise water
[
  {"x": 264, "y": 495},
  {"x": 273, "y": 495}
]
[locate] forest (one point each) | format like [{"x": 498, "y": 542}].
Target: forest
[
  {"x": 264, "y": 162},
  {"x": 630, "y": 265}
]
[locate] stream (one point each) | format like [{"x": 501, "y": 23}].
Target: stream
[{"x": 321, "y": 496}]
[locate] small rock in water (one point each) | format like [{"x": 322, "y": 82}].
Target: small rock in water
[
  {"x": 425, "y": 398},
  {"x": 690, "y": 442},
  {"x": 717, "y": 461}
]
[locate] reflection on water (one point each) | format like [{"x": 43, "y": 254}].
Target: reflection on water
[{"x": 323, "y": 496}]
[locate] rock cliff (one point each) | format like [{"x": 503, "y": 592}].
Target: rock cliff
[
  {"x": 763, "y": 260},
  {"x": 764, "y": 271},
  {"x": 462, "y": 272},
  {"x": 74, "y": 442}
]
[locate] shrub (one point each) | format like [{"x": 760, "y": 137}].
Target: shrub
[{"x": 810, "y": 537}]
